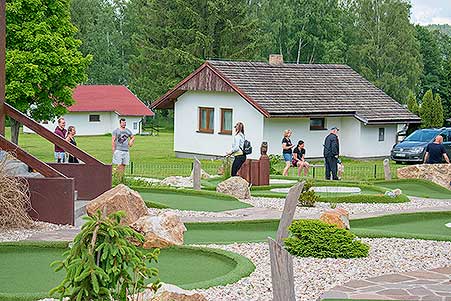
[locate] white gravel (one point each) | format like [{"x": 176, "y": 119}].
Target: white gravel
[
  {"x": 22, "y": 234},
  {"x": 315, "y": 276}
]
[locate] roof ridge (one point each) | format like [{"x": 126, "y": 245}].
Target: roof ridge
[{"x": 284, "y": 65}]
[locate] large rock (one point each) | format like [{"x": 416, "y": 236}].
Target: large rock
[
  {"x": 169, "y": 292},
  {"x": 160, "y": 231},
  {"x": 119, "y": 198},
  {"x": 235, "y": 186},
  {"x": 177, "y": 181},
  {"x": 437, "y": 173},
  {"x": 338, "y": 217}
]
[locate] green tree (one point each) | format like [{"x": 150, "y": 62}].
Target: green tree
[
  {"x": 384, "y": 49},
  {"x": 431, "y": 111},
  {"x": 412, "y": 103},
  {"x": 43, "y": 63},
  {"x": 438, "y": 111}
]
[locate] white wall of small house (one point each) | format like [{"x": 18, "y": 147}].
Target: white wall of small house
[
  {"x": 188, "y": 139},
  {"x": 108, "y": 122}
]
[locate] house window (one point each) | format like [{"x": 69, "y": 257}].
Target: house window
[
  {"x": 381, "y": 134},
  {"x": 317, "y": 124},
  {"x": 94, "y": 118},
  {"x": 206, "y": 120},
  {"x": 45, "y": 122},
  {"x": 226, "y": 121},
  {"x": 135, "y": 125}
]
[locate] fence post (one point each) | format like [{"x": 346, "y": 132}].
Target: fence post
[
  {"x": 314, "y": 168},
  {"x": 197, "y": 173},
  {"x": 131, "y": 167},
  {"x": 375, "y": 171}
]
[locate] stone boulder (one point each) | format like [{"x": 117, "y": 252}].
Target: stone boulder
[
  {"x": 397, "y": 191},
  {"x": 169, "y": 292},
  {"x": 160, "y": 231},
  {"x": 177, "y": 181},
  {"x": 119, "y": 198},
  {"x": 437, "y": 173},
  {"x": 235, "y": 186},
  {"x": 338, "y": 217},
  {"x": 203, "y": 174}
]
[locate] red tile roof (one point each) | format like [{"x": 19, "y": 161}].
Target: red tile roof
[{"x": 108, "y": 98}]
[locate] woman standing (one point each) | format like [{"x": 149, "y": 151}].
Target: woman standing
[
  {"x": 287, "y": 148},
  {"x": 237, "y": 148},
  {"x": 71, "y": 139},
  {"x": 299, "y": 159}
]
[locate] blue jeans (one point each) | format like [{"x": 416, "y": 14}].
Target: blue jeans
[
  {"x": 287, "y": 157},
  {"x": 59, "y": 157}
]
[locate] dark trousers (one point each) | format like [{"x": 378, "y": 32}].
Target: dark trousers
[
  {"x": 331, "y": 168},
  {"x": 237, "y": 163}
]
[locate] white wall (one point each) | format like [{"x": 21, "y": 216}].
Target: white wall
[
  {"x": 370, "y": 146},
  {"x": 108, "y": 122},
  {"x": 187, "y": 139}
]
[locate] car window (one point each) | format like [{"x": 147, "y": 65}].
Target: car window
[
  {"x": 422, "y": 135},
  {"x": 446, "y": 136}
]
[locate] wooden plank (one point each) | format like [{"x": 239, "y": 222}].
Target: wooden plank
[
  {"x": 282, "y": 277},
  {"x": 28, "y": 159},
  {"x": 196, "y": 174},
  {"x": 2, "y": 65},
  {"x": 289, "y": 209},
  {"x": 50, "y": 136},
  {"x": 387, "y": 171}
]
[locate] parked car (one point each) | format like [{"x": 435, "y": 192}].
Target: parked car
[{"x": 413, "y": 147}]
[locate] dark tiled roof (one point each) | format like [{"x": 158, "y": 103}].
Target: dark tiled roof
[{"x": 308, "y": 89}]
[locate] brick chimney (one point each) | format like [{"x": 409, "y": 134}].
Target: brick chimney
[{"x": 275, "y": 59}]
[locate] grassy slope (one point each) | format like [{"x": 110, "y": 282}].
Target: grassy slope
[{"x": 416, "y": 187}]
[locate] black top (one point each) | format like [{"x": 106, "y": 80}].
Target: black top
[
  {"x": 331, "y": 146},
  {"x": 72, "y": 159},
  {"x": 436, "y": 152},
  {"x": 287, "y": 141},
  {"x": 299, "y": 152}
]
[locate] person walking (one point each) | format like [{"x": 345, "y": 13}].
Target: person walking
[
  {"x": 287, "y": 151},
  {"x": 331, "y": 152},
  {"x": 436, "y": 152},
  {"x": 60, "y": 131},
  {"x": 71, "y": 139},
  {"x": 237, "y": 149},
  {"x": 121, "y": 141},
  {"x": 299, "y": 159}
]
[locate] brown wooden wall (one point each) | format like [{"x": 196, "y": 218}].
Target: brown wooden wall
[{"x": 206, "y": 80}]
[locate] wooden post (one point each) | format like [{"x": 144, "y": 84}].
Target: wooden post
[
  {"x": 196, "y": 174},
  {"x": 2, "y": 64},
  {"x": 289, "y": 209},
  {"x": 281, "y": 272},
  {"x": 387, "y": 171}
]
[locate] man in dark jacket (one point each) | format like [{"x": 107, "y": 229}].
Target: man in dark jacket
[{"x": 331, "y": 151}]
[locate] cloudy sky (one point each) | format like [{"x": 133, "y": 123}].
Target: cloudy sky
[{"x": 431, "y": 11}]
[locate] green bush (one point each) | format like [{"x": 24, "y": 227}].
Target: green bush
[
  {"x": 314, "y": 238},
  {"x": 273, "y": 161},
  {"x": 308, "y": 197},
  {"x": 104, "y": 263}
]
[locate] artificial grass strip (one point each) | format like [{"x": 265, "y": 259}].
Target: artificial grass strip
[
  {"x": 185, "y": 199},
  {"x": 421, "y": 225},
  {"x": 417, "y": 187},
  {"x": 27, "y": 275},
  {"x": 230, "y": 232}
]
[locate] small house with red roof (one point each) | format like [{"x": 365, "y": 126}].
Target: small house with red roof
[{"x": 98, "y": 108}]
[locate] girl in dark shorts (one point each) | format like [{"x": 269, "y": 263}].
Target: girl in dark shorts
[{"x": 299, "y": 159}]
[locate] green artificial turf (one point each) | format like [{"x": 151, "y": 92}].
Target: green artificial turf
[
  {"x": 185, "y": 199},
  {"x": 230, "y": 232},
  {"x": 417, "y": 187},
  {"x": 422, "y": 225},
  {"x": 27, "y": 275}
]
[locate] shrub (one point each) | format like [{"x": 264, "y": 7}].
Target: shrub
[
  {"x": 273, "y": 161},
  {"x": 308, "y": 197},
  {"x": 314, "y": 238},
  {"x": 104, "y": 264}
]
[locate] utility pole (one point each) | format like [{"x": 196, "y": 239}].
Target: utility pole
[{"x": 2, "y": 65}]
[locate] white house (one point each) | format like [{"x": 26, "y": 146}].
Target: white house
[
  {"x": 98, "y": 108},
  {"x": 271, "y": 97}
]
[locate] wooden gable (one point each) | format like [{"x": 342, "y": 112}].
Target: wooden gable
[{"x": 206, "y": 80}]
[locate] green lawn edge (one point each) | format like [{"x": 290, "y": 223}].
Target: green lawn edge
[
  {"x": 243, "y": 268},
  {"x": 437, "y": 188},
  {"x": 215, "y": 194}
]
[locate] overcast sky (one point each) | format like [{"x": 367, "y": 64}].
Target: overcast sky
[{"x": 431, "y": 11}]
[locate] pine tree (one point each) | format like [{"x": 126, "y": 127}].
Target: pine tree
[
  {"x": 412, "y": 104},
  {"x": 427, "y": 110},
  {"x": 438, "y": 111}
]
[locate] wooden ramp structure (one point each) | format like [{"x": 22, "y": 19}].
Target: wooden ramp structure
[{"x": 54, "y": 194}]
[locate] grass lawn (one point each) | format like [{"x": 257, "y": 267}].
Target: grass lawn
[
  {"x": 416, "y": 187},
  {"x": 27, "y": 275},
  {"x": 184, "y": 199},
  {"x": 423, "y": 225}
]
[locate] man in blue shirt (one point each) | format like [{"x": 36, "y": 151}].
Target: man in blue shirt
[{"x": 436, "y": 152}]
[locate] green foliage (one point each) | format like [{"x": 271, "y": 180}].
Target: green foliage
[
  {"x": 314, "y": 238},
  {"x": 438, "y": 110},
  {"x": 431, "y": 111},
  {"x": 103, "y": 263},
  {"x": 227, "y": 167},
  {"x": 412, "y": 103},
  {"x": 308, "y": 197},
  {"x": 274, "y": 160}
]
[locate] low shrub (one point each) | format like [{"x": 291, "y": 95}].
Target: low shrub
[
  {"x": 273, "y": 161},
  {"x": 308, "y": 197},
  {"x": 314, "y": 238}
]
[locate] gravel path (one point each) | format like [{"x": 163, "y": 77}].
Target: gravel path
[
  {"x": 315, "y": 276},
  {"x": 23, "y": 234}
]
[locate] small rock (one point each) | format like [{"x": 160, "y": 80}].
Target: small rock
[
  {"x": 119, "y": 198},
  {"x": 338, "y": 217},
  {"x": 397, "y": 191},
  {"x": 235, "y": 186},
  {"x": 390, "y": 194},
  {"x": 177, "y": 181},
  {"x": 203, "y": 174},
  {"x": 160, "y": 231}
]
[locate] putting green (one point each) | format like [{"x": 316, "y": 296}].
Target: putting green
[
  {"x": 230, "y": 232},
  {"x": 418, "y": 188},
  {"x": 184, "y": 199},
  {"x": 27, "y": 275},
  {"x": 422, "y": 225}
]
